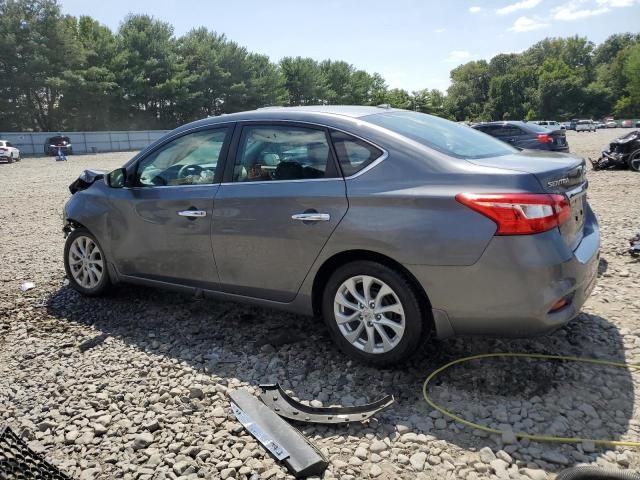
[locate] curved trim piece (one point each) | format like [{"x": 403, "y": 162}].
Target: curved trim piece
[{"x": 277, "y": 399}]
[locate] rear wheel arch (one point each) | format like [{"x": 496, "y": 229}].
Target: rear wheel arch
[{"x": 331, "y": 264}]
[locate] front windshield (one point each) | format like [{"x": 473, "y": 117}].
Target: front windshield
[{"x": 442, "y": 135}]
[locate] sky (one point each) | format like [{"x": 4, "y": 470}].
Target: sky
[{"x": 413, "y": 44}]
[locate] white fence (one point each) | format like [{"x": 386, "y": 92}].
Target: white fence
[{"x": 32, "y": 143}]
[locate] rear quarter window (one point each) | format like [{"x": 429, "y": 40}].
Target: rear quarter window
[{"x": 353, "y": 154}]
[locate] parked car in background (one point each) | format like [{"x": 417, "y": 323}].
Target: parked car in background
[
  {"x": 601, "y": 125},
  {"x": 638, "y": 124},
  {"x": 526, "y": 135},
  {"x": 585, "y": 126},
  {"x": 391, "y": 225},
  {"x": 58, "y": 142},
  {"x": 8, "y": 153},
  {"x": 547, "y": 123},
  {"x": 612, "y": 124},
  {"x": 627, "y": 124}
]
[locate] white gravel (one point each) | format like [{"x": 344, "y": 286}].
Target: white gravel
[{"x": 148, "y": 398}]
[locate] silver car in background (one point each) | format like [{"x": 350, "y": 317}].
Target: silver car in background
[{"x": 390, "y": 225}]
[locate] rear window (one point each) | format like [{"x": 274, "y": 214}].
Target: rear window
[
  {"x": 442, "y": 135},
  {"x": 537, "y": 128}
]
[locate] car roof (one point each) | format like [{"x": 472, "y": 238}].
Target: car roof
[
  {"x": 311, "y": 113},
  {"x": 506, "y": 122}
]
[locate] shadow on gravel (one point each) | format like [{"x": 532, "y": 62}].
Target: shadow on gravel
[{"x": 231, "y": 341}]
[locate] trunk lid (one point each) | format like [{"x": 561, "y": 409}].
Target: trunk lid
[
  {"x": 559, "y": 138},
  {"x": 557, "y": 173}
]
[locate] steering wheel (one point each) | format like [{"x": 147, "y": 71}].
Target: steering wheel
[{"x": 189, "y": 171}]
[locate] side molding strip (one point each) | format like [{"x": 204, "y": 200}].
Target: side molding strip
[{"x": 277, "y": 400}]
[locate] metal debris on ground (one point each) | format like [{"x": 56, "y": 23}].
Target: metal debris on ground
[
  {"x": 92, "y": 342},
  {"x": 18, "y": 461},
  {"x": 277, "y": 399},
  {"x": 282, "y": 440},
  {"x": 623, "y": 152},
  {"x": 27, "y": 286}
]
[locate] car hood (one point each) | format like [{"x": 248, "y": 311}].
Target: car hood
[{"x": 556, "y": 172}]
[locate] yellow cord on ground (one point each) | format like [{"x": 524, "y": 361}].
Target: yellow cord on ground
[{"x": 535, "y": 438}]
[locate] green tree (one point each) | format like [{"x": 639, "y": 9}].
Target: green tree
[
  {"x": 629, "y": 104},
  {"x": 40, "y": 56},
  {"x": 304, "y": 81},
  {"x": 146, "y": 65},
  {"x": 469, "y": 91}
]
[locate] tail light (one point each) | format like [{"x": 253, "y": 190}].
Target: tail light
[
  {"x": 545, "y": 138},
  {"x": 519, "y": 213}
]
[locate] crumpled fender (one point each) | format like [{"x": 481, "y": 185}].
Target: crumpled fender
[{"x": 86, "y": 179}]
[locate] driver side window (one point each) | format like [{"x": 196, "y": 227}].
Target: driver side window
[{"x": 188, "y": 160}]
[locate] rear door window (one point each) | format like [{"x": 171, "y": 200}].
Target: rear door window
[
  {"x": 353, "y": 154},
  {"x": 283, "y": 152}
]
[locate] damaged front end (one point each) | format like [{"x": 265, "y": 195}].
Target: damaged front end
[
  {"x": 623, "y": 152},
  {"x": 86, "y": 179}
]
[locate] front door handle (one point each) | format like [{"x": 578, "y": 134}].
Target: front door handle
[
  {"x": 192, "y": 213},
  {"x": 312, "y": 217}
]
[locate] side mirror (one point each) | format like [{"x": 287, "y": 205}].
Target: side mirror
[{"x": 117, "y": 178}]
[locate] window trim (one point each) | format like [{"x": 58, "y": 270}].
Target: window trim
[
  {"x": 132, "y": 169},
  {"x": 234, "y": 151}
]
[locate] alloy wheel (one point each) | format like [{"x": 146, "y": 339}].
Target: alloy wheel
[
  {"x": 369, "y": 314},
  {"x": 86, "y": 262}
]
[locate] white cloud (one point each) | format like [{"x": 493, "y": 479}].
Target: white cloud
[
  {"x": 440, "y": 30},
  {"x": 578, "y": 9},
  {"x": 526, "y": 24},
  {"x": 572, "y": 12},
  {"x": 523, "y": 5},
  {"x": 458, "y": 56},
  {"x": 618, "y": 3},
  {"x": 474, "y": 9}
]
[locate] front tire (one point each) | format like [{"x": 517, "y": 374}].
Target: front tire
[
  {"x": 85, "y": 263},
  {"x": 10, "y": 160},
  {"x": 373, "y": 313}
]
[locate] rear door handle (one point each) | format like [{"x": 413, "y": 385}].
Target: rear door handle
[
  {"x": 312, "y": 217},
  {"x": 192, "y": 213}
]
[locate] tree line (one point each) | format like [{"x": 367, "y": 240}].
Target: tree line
[{"x": 59, "y": 72}]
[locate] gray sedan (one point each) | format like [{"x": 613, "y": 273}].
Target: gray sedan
[{"x": 391, "y": 225}]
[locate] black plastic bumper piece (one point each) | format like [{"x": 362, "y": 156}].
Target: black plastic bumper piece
[
  {"x": 282, "y": 440},
  {"x": 277, "y": 399}
]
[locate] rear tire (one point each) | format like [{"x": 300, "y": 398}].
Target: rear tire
[
  {"x": 634, "y": 161},
  {"x": 10, "y": 160},
  {"x": 85, "y": 263},
  {"x": 373, "y": 313}
]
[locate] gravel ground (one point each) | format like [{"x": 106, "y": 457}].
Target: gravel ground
[{"x": 134, "y": 385}]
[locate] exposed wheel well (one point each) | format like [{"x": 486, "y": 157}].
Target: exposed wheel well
[{"x": 330, "y": 265}]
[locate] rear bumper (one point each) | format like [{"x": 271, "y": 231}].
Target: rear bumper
[{"x": 511, "y": 289}]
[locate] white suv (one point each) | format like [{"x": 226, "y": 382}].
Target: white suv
[
  {"x": 585, "y": 126},
  {"x": 8, "y": 152}
]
